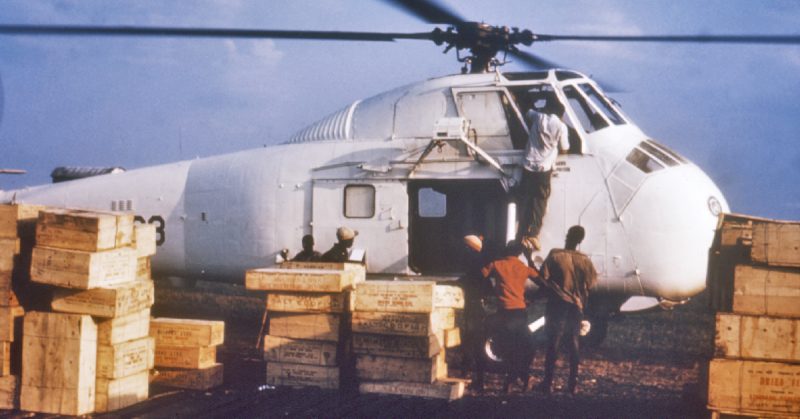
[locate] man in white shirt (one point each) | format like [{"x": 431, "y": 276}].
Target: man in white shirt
[{"x": 548, "y": 135}]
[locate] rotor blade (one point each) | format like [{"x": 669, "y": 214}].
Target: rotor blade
[
  {"x": 204, "y": 32},
  {"x": 720, "y": 39},
  {"x": 534, "y": 61},
  {"x": 428, "y": 10}
]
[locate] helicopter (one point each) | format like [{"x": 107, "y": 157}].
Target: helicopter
[{"x": 415, "y": 168}]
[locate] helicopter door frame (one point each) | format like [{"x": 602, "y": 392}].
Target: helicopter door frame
[
  {"x": 383, "y": 228},
  {"x": 516, "y": 136}
]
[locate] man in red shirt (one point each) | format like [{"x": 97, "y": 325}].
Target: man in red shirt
[{"x": 511, "y": 275}]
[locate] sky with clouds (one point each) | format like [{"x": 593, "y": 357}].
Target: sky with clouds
[{"x": 132, "y": 102}]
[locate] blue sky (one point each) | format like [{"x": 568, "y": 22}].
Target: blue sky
[{"x": 732, "y": 109}]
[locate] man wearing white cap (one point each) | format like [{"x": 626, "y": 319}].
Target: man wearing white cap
[{"x": 340, "y": 252}]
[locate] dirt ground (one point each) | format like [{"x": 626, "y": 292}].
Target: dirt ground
[{"x": 651, "y": 365}]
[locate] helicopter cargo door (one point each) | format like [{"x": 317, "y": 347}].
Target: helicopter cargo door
[
  {"x": 443, "y": 212},
  {"x": 378, "y": 210}
]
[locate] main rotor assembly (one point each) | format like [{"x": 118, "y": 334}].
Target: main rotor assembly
[{"x": 477, "y": 44}]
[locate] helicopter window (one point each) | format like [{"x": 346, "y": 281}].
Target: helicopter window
[
  {"x": 566, "y": 75},
  {"x": 432, "y": 204},
  {"x": 667, "y": 150},
  {"x": 359, "y": 201},
  {"x": 487, "y": 117},
  {"x": 643, "y": 161},
  {"x": 589, "y": 117},
  {"x": 519, "y": 135},
  {"x": 657, "y": 153},
  {"x": 601, "y": 103}
]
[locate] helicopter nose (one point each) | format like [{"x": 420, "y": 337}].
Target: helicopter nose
[{"x": 671, "y": 222}]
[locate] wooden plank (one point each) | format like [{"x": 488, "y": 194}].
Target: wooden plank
[
  {"x": 83, "y": 270},
  {"x": 285, "y": 374},
  {"x": 446, "y": 388},
  {"x": 307, "y": 302},
  {"x": 9, "y": 316},
  {"x": 57, "y": 401},
  {"x": 757, "y": 337},
  {"x": 12, "y": 215},
  {"x": 126, "y": 358},
  {"x": 59, "y": 359},
  {"x": 113, "y": 301},
  {"x": 776, "y": 243},
  {"x": 766, "y": 291},
  {"x": 9, "y": 249},
  {"x": 754, "y": 385},
  {"x": 452, "y": 337},
  {"x": 299, "y": 351},
  {"x": 187, "y": 332},
  {"x": 115, "y": 394},
  {"x": 195, "y": 357},
  {"x": 319, "y": 326},
  {"x": 124, "y": 328},
  {"x": 9, "y": 392},
  {"x": 309, "y": 280},
  {"x": 384, "y": 368},
  {"x": 397, "y": 346},
  {"x": 5, "y": 358},
  {"x": 448, "y": 296},
  {"x": 407, "y": 324},
  {"x": 199, "y": 379},
  {"x": 144, "y": 239},
  {"x": 395, "y": 296}
]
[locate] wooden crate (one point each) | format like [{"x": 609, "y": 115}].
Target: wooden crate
[
  {"x": 199, "y": 379},
  {"x": 11, "y": 216},
  {"x": 5, "y": 358},
  {"x": 285, "y": 374},
  {"x": 317, "y": 326},
  {"x": 9, "y": 392},
  {"x": 384, "y": 368},
  {"x": 731, "y": 246},
  {"x": 196, "y": 357},
  {"x": 187, "y": 332},
  {"x": 445, "y": 388},
  {"x": 776, "y": 243},
  {"x": 358, "y": 270},
  {"x": 83, "y": 230},
  {"x": 113, "y": 301},
  {"x": 395, "y": 296},
  {"x": 754, "y": 385},
  {"x": 307, "y": 302},
  {"x": 59, "y": 360},
  {"x": 143, "y": 270},
  {"x": 126, "y": 358},
  {"x": 124, "y": 328},
  {"x": 448, "y": 296},
  {"x": 9, "y": 321},
  {"x": 766, "y": 291},
  {"x": 407, "y": 324},
  {"x": 9, "y": 248},
  {"x": 300, "y": 351},
  {"x": 757, "y": 337},
  {"x": 452, "y": 337},
  {"x": 144, "y": 240},
  {"x": 308, "y": 280},
  {"x": 397, "y": 346},
  {"x": 115, "y": 394},
  {"x": 83, "y": 270}
]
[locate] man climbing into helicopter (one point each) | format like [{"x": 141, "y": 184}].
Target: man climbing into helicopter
[{"x": 548, "y": 135}]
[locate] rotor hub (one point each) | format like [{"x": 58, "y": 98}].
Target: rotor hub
[{"x": 483, "y": 41}]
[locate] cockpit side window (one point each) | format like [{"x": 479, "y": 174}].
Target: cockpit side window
[
  {"x": 602, "y": 104},
  {"x": 590, "y": 119},
  {"x": 535, "y": 97},
  {"x": 488, "y": 124}
]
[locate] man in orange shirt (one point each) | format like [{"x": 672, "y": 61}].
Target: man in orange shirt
[{"x": 511, "y": 275}]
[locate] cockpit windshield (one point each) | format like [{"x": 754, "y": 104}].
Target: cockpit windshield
[
  {"x": 602, "y": 104},
  {"x": 590, "y": 118}
]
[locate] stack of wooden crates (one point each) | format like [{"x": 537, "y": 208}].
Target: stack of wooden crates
[
  {"x": 186, "y": 352},
  {"x": 17, "y": 231},
  {"x": 93, "y": 353},
  {"x": 754, "y": 285},
  {"x": 400, "y": 332},
  {"x": 308, "y": 306}
]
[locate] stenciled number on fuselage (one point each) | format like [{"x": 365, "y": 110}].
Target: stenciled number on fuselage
[{"x": 160, "y": 226}]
